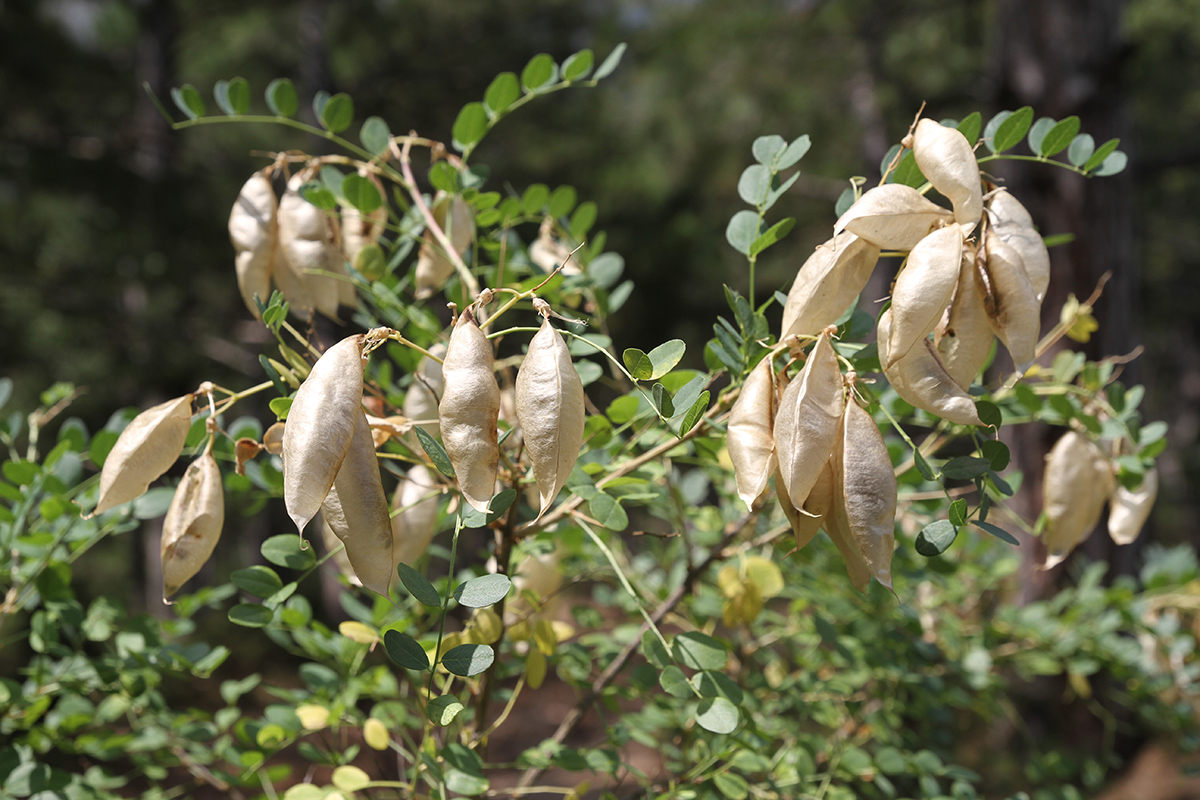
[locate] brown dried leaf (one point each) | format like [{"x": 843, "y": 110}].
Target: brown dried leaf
[
  {"x": 947, "y": 160},
  {"x": 892, "y": 217},
  {"x": 273, "y": 439},
  {"x": 147, "y": 448},
  {"x": 828, "y": 281},
  {"x": 193, "y": 523},
  {"x": 469, "y": 410}
]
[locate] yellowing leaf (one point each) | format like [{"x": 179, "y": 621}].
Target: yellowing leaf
[
  {"x": 350, "y": 779},
  {"x": 544, "y": 638},
  {"x": 312, "y": 717},
  {"x": 764, "y": 575},
  {"x": 358, "y": 632},
  {"x": 375, "y": 734},
  {"x": 535, "y": 668},
  {"x": 486, "y": 625}
]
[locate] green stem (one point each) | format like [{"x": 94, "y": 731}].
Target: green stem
[
  {"x": 1036, "y": 159},
  {"x": 437, "y": 650}
]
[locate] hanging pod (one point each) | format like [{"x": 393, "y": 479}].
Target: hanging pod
[
  {"x": 807, "y": 419},
  {"x": 1077, "y": 482},
  {"x": 945, "y": 157},
  {"x": 921, "y": 380},
  {"x": 864, "y": 493},
  {"x": 809, "y": 519},
  {"x": 548, "y": 253},
  {"x": 923, "y": 289},
  {"x": 356, "y": 510},
  {"x": 421, "y": 398},
  {"x": 309, "y": 239},
  {"x": 469, "y": 410},
  {"x": 193, "y": 523},
  {"x": 434, "y": 267},
  {"x": 334, "y": 545},
  {"x": 255, "y": 237},
  {"x": 1012, "y": 306},
  {"x": 749, "y": 440},
  {"x": 892, "y": 217},
  {"x": 964, "y": 336},
  {"x": 320, "y": 427},
  {"x": 838, "y": 530},
  {"x": 1130, "y": 508},
  {"x": 1013, "y": 224},
  {"x": 550, "y": 411},
  {"x": 827, "y": 283},
  {"x": 414, "y": 515},
  {"x": 146, "y": 449}
]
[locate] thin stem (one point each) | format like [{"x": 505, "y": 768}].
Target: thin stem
[
  {"x": 1037, "y": 159},
  {"x": 437, "y": 650}
]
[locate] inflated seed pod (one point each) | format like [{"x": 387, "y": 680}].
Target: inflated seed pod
[
  {"x": 947, "y": 160},
  {"x": 414, "y": 515},
  {"x": 469, "y": 410},
  {"x": 255, "y": 237},
  {"x": 828, "y": 281},
  {"x": 806, "y": 522},
  {"x": 924, "y": 288},
  {"x": 1012, "y": 306},
  {"x": 920, "y": 378},
  {"x": 806, "y": 421},
  {"x": 892, "y": 217},
  {"x": 1077, "y": 482},
  {"x": 964, "y": 336},
  {"x": 1130, "y": 508},
  {"x": 1013, "y": 224},
  {"x": 749, "y": 440},
  {"x": 434, "y": 267},
  {"x": 334, "y": 545},
  {"x": 837, "y": 527},
  {"x": 864, "y": 491},
  {"x": 308, "y": 238},
  {"x": 548, "y": 253},
  {"x": 147, "y": 448},
  {"x": 421, "y": 398},
  {"x": 550, "y": 411},
  {"x": 193, "y": 523},
  {"x": 320, "y": 427}
]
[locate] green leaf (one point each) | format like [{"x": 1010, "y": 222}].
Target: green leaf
[
  {"x": 768, "y": 148},
  {"x": 577, "y": 65},
  {"x": 258, "y": 580},
  {"x": 483, "y": 591},
  {"x": 935, "y": 538},
  {"x": 772, "y": 235},
  {"x": 370, "y": 262},
  {"x": 319, "y": 196},
  {"x": 1059, "y": 137},
  {"x": 675, "y": 683},
  {"x": 958, "y": 513},
  {"x": 233, "y": 96},
  {"x": 1116, "y": 162},
  {"x": 349, "y": 778},
  {"x": 795, "y": 151},
  {"x": 638, "y": 364},
  {"x": 608, "y": 512},
  {"x": 996, "y": 452},
  {"x": 250, "y": 615},
  {"x": 779, "y": 191},
  {"x": 502, "y": 92},
  {"x": 474, "y": 518},
  {"x": 699, "y": 651},
  {"x": 418, "y": 586},
  {"x": 467, "y": 660},
  {"x": 470, "y": 126},
  {"x": 338, "y": 113},
  {"x": 1013, "y": 130},
  {"x": 405, "y": 651},
  {"x": 653, "y": 650},
  {"x": 717, "y": 684},
  {"x": 1081, "y": 149},
  {"x": 375, "y": 136},
  {"x": 695, "y": 413},
  {"x": 280, "y": 406},
  {"x": 731, "y": 785},
  {"x": 538, "y": 72},
  {"x": 971, "y": 126},
  {"x": 443, "y": 710},
  {"x": 583, "y": 219},
  {"x": 754, "y": 184},
  {"x": 361, "y": 193},
  {"x": 922, "y": 465},
  {"x": 989, "y": 132},
  {"x": 281, "y": 97},
  {"x": 6, "y": 387},
  {"x": 562, "y": 200},
  {"x": 965, "y": 468},
  {"x": 445, "y": 177},
  {"x": 465, "y": 783},
  {"x": 1102, "y": 152},
  {"x": 662, "y": 401},
  {"x": 907, "y": 172},
  {"x": 718, "y": 715},
  {"x": 288, "y": 550},
  {"x": 664, "y": 357},
  {"x": 997, "y": 531},
  {"x": 437, "y": 454},
  {"x": 742, "y": 231},
  {"x": 844, "y": 201},
  {"x": 989, "y": 413},
  {"x": 318, "y": 102},
  {"x": 154, "y": 503},
  {"x": 189, "y": 101},
  {"x": 1038, "y": 132},
  {"x": 610, "y": 63},
  {"x": 535, "y": 198}
]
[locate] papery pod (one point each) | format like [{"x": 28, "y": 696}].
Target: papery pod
[
  {"x": 827, "y": 283},
  {"x": 946, "y": 158},
  {"x": 540, "y": 575},
  {"x": 193, "y": 523},
  {"x": 1013, "y": 224},
  {"x": 964, "y": 336},
  {"x": 414, "y": 515},
  {"x": 892, "y": 217},
  {"x": 1012, "y": 307},
  {"x": 806, "y": 421},
  {"x": 320, "y": 427},
  {"x": 356, "y": 510},
  {"x": 808, "y": 521},
  {"x": 1130, "y": 508},
  {"x": 749, "y": 440},
  {"x": 334, "y": 545},
  {"x": 921, "y": 380},
  {"x": 469, "y": 410},
  {"x": 309, "y": 240},
  {"x": 272, "y": 439},
  {"x": 838, "y": 529},
  {"x": 146, "y": 449},
  {"x": 548, "y": 253},
  {"x": 1077, "y": 482},
  {"x": 550, "y": 411},
  {"x": 924, "y": 288},
  {"x": 864, "y": 491},
  {"x": 434, "y": 267},
  {"x": 255, "y": 237},
  {"x": 385, "y": 428},
  {"x": 421, "y": 398}
]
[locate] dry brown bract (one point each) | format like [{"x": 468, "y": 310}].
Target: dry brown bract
[
  {"x": 147, "y": 448},
  {"x": 1012, "y": 306},
  {"x": 964, "y": 336},
  {"x": 1130, "y": 508},
  {"x": 193, "y": 523},
  {"x": 310, "y": 242},
  {"x": 469, "y": 410},
  {"x": 1014, "y": 226}
]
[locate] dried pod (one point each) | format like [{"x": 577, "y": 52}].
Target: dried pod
[
  {"x": 1012, "y": 306},
  {"x": 751, "y": 445},
  {"x": 964, "y": 336},
  {"x": 837, "y": 526},
  {"x": 947, "y": 160},
  {"x": 892, "y": 217},
  {"x": 255, "y": 237},
  {"x": 334, "y": 545},
  {"x": 434, "y": 267},
  {"x": 1012, "y": 223},
  {"x": 1130, "y": 508},
  {"x": 548, "y": 253},
  {"x": 920, "y": 378},
  {"x": 414, "y": 515},
  {"x": 308, "y": 238},
  {"x": 811, "y": 518},
  {"x": 421, "y": 399},
  {"x": 356, "y": 510},
  {"x": 550, "y": 411},
  {"x": 864, "y": 491},
  {"x": 806, "y": 421},
  {"x": 469, "y": 410},
  {"x": 924, "y": 288},
  {"x": 320, "y": 427},
  {"x": 193, "y": 523},
  {"x": 273, "y": 438},
  {"x": 1077, "y": 482},
  {"x": 147, "y": 448},
  {"x": 828, "y": 281},
  {"x": 245, "y": 449}
]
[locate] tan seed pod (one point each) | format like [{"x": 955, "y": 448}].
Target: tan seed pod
[
  {"x": 309, "y": 239},
  {"x": 320, "y": 427},
  {"x": 864, "y": 491},
  {"x": 469, "y": 410},
  {"x": 548, "y": 253},
  {"x": 193, "y": 523},
  {"x": 434, "y": 267},
  {"x": 924, "y": 288},
  {"x": 421, "y": 398},
  {"x": 273, "y": 439},
  {"x": 1013, "y": 224},
  {"x": 807, "y": 420},
  {"x": 808, "y": 521},
  {"x": 1130, "y": 508},
  {"x": 334, "y": 545},
  {"x": 255, "y": 237},
  {"x": 147, "y": 448},
  {"x": 1012, "y": 307},
  {"x": 892, "y": 217},
  {"x": 1078, "y": 480},
  {"x": 828, "y": 281},
  {"x": 964, "y": 336},
  {"x": 947, "y": 160},
  {"x": 550, "y": 411},
  {"x": 837, "y": 527},
  {"x": 414, "y": 515},
  {"x": 749, "y": 440},
  {"x": 356, "y": 510},
  {"x": 920, "y": 378}
]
